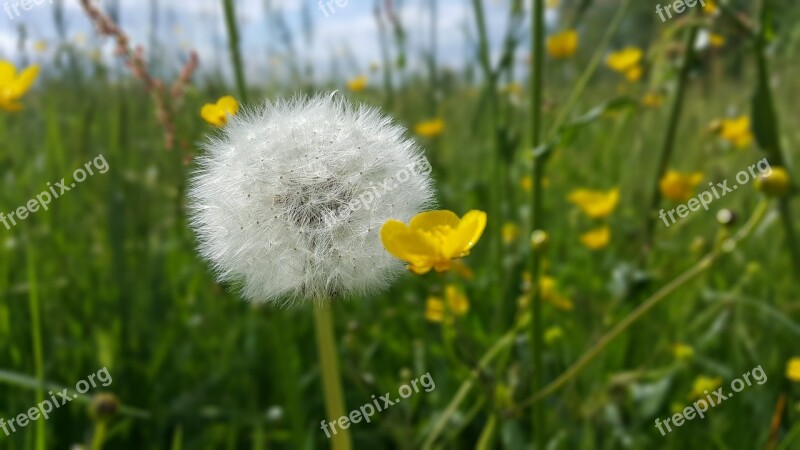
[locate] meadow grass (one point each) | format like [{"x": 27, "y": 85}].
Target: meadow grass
[{"x": 109, "y": 277}]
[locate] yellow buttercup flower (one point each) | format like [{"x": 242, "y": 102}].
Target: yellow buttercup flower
[
  {"x": 430, "y": 128},
  {"x": 652, "y": 100},
  {"x": 553, "y": 334},
  {"x": 217, "y": 113},
  {"x": 793, "y": 370},
  {"x": 526, "y": 183},
  {"x": 358, "y": 83},
  {"x": 433, "y": 239},
  {"x": 625, "y": 59},
  {"x": 548, "y": 290},
  {"x": 710, "y": 7},
  {"x": 682, "y": 352},
  {"x": 737, "y": 131},
  {"x": 40, "y": 46},
  {"x": 510, "y": 232},
  {"x": 716, "y": 40},
  {"x": 776, "y": 183},
  {"x": 455, "y": 303},
  {"x": 597, "y": 238},
  {"x": 562, "y": 45},
  {"x": 634, "y": 74},
  {"x": 595, "y": 204},
  {"x": 13, "y": 86},
  {"x": 679, "y": 187},
  {"x": 703, "y": 384}
]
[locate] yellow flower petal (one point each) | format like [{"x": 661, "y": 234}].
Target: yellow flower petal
[
  {"x": 625, "y": 59},
  {"x": 595, "y": 204},
  {"x": 562, "y": 45},
  {"x": 467, "y": 234},
  {"x": 596, "y": 239},
  {"x": 431, "y": 220}
]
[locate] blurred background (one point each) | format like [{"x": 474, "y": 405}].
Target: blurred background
[{"x": 639, "y": 115}]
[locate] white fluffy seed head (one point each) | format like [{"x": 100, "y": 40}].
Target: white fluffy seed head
[{"x": 289, "y": 200}]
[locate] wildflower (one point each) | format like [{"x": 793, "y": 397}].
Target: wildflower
[
  {"x": 430, "y": 128},
  {"x": 716, "y": 40},
  {"x": 626, "y": 62},
  {"x": 433, "y": 239},
  {"x": 455, "y": 303},
  {"x": 284, "y": 200},
  {"x": 682, "y": 352},
  {"x": 104, "y": 407},
  {"x": 710, "y": 7},
  {"x": 553, "y": 334},
  {"x": 13, "y": 86},
  {"x": 217, "y": 113},
  {"x": 793, "y": 370},
  {"x": 40, "y": 46},
  {"x": 595, "y": 204},
  {"x": 539, "y": 240},
  {"x": 510, "y": 232},
  {"x": 737, "y": 131},
  {"x": 703, "y": 385},
  {"x": 679, "y": 187},
  {"x": 775, "y": 183},
  {"x": 358, "y": 83},
  {"x": 549, "y": 292},
  {"x": 597, "y": 238},
  {"x": 526, "y": 183},
  {"x": 652, "y": 100},
  {"x": 562, "y": 45}
]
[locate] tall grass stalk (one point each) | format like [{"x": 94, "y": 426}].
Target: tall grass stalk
[
  {"x": 331, "y": 378},
  {"x": 36, "y": 338},
  {"x": 233, "y": 44},
  {"x": 669, "y": 139},
  {"x": 537, "y": 73},
  {"x": 726, "y": 246}
]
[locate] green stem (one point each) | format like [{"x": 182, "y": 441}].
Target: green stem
[
  {"x": 36, "y": 337},
  {"x": 233, "y": 43},
  {"x": 99, "y": 435},
  {"x": 466, "y": 385},
  {"x": 669, "y": 138},
  {"x": 700, "y": 267},
  {"x": 536, "y": 331},
  {"x": 583, "y": 81},
  {"x": 331, "y": 378}
]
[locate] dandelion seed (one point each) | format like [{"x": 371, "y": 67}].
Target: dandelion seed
[{"x": 282, "y": 202}]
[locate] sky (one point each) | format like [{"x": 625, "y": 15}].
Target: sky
[{"x": 345, "y": 35}]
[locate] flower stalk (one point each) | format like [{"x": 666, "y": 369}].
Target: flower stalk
[{"x": 331, "y": 377}]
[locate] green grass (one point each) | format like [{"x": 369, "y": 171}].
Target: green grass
[{"x": 109, "y": 277}]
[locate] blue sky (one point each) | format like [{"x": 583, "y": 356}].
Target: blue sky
[{"x": 347, "y": 33}]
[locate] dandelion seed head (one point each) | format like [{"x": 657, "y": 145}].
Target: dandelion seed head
[{"x": 289, "y": 199}]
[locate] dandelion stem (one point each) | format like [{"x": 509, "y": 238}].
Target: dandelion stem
[
  {"x": 331, "y": 378},
  {"x": 99, "y": 435},
  {"x": 700, "y": 267},
  {"x": 233, "y": 43},
  {"x": 537, "y": 72},
  {"x": 669, "y": 138}
]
